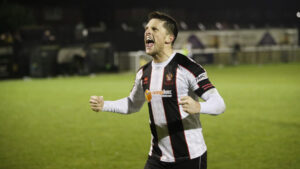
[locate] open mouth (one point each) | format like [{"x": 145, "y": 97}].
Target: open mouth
[{"x": 149, "y": 42}]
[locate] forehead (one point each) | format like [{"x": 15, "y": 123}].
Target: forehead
[{"x": 155, "y": 23}]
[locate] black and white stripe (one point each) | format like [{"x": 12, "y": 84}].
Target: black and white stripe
[
  {"x": 173, "y": 116},
  {"x": 175, "y": 134},
  {"x": 155, "y": 150}
]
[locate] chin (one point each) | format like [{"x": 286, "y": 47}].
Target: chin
[{"x": 149, "y": 52}]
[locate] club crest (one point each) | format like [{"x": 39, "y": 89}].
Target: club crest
[{"x": 169, "y": 79}]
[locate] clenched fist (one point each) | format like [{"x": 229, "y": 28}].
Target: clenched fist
[
  {"x": 96, "y": 103},
  {"x": 189, "y": 105}
]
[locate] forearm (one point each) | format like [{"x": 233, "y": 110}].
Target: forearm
[
  {"x": 213, "y": 104},
  {"x": 130, "y": 104},
  {"x": 122, "y": 106}
]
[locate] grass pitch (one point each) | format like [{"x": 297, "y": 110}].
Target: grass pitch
[{"x": 47, "y": 123}]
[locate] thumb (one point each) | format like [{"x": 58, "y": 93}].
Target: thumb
[{"x": 100, "y": 98}]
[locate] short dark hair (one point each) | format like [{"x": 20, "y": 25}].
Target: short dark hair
[{"x": 170, "y": 23}]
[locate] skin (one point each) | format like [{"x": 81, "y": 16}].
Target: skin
[
  {"x": 161, "y": 50},
  {"x": 97, "y": 103}
]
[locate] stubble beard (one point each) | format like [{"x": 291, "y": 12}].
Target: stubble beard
[
  {"x": 152, "y": 53},
  {"x": 155, "y": 51}
]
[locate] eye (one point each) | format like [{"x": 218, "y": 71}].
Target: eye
[{"x": 154, "y": 29}]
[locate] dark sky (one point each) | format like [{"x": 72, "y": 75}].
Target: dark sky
[
  {"x": 260, "y": 12},
  {"x": 200, "y": 4}
]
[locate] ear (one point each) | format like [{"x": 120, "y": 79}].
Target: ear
[{"x": 169, "y": 39}]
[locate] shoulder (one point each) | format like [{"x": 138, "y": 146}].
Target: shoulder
[
  {"x": 147, "y": 65},
  {"x": 141, "y": 71},
  {"x": 189, "y": 64}
]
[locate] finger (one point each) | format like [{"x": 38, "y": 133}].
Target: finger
[
  {"x": 94, "y": 97},
  {"x": 93, "y": 101},
  {"x": 95, "y": 105},
  {"x": 96, "y": 110},
  {"x": 183, "y": 102},
  {"x": 184, "y": 98},
  {"x": 185, "y": 106},
  {"x": 185, "y": 109}
]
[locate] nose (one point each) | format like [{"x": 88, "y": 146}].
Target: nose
[{"x": 147, "y": 32}]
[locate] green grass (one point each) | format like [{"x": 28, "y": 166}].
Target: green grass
[{"x": 47, "y": 123}]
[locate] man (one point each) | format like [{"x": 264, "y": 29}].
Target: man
[{"x": 171, "y": 84}]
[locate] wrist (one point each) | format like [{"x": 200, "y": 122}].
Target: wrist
[{"x": 200, "y": 106}]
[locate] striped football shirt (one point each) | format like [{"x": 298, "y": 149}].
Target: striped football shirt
[{"x": 175, "y": 134}]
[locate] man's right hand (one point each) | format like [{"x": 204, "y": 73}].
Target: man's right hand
[{"x": 96, "y": 103}]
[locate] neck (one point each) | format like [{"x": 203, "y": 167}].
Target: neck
[{"x": 162, "y": 56}]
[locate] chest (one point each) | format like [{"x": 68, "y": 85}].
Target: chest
[{"x": 165, "y": 83}]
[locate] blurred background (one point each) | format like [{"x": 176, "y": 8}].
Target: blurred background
[
  {"x": 55, "y": 54},
  {"x": 79, "y": 37}
]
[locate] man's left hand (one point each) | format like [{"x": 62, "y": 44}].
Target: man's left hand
[{"x": 189, "y": 105}]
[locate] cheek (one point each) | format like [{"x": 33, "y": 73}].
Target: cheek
[{"x": 159, "y": 39}]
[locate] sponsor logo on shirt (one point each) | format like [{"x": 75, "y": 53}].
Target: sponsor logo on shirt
[
  {"x": 201, "y": 77},
  {"x": 148, "y": 95},
  {"x": 163, "y": 93}
]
